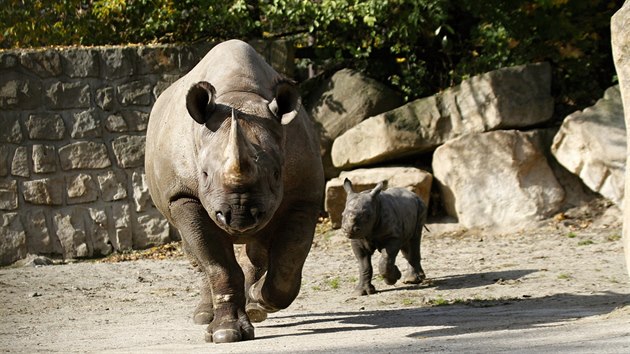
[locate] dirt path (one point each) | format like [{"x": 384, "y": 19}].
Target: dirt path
[{"x": 561, "y": 287}]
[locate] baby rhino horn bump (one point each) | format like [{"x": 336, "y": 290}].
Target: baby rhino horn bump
[{"x": 239, "y": 165}]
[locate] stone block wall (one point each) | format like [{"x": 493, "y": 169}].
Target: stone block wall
[{"x": 72, "y": 133}]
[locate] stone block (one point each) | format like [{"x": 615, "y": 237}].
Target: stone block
[
  {"x": 44, "y": 159},
  {"x": 137, "y": 121},
  {"x": 150, "y": 229},
  {"x": 498, "y": 180},
  {"x": 113, "y": 186},
  {"x": 45, "y": 126},
  {"x": 19, "y": 92},
  {"x": 129, "y": 150},
  {"x": 84, "y": 154},
  {"x": 592, "y": 144},
  {"x": 43, "y": 63},
  {"x": 8, "y": 194},
  {"x": 65, "y": 95},
  {"x": 45, "y": 191},
  {"x": 80, "y": 62},
  {"x": 515, "y": 97},
  {"x": 135, "y": 93},
  {"x": 12, "y": 238},
  {"x": 19, "y": 165},
  {"x": 413, "y": 179},
  {"x": 157, "y": 59},
  {"x": 39, "y": 240},
  {"x": 11, "y": 131},
  {"x": 8, "y": 60},
  {"x": 5, "y": 150},
  {"x": 86, "y": 124},
  {"x": 105, "y": 98},
  {"x": 121, "y": 215},
  {"x": 70, "y": 230},
  {"x": 81, "y": 188},
  {"x": 141, "y": 196},
  {"x": 115, "y": 123},
  {"x": 97, "y": 231},
  {"x": 117, "y": 62}
]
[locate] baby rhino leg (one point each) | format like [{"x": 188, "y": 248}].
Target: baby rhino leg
[
  {"x": 387, "y": 266},
  {"x": 411, "y": 252}
]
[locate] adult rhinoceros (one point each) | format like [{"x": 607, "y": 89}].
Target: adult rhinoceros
[{"x": 231, "y": 158}]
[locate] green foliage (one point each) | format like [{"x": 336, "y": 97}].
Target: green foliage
[{"x": 417, "y": 46}]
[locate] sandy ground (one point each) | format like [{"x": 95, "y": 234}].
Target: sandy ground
[{"x": 559, "y": 287}]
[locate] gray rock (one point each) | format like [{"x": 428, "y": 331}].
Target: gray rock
[
  {"x": 513, "y": 97},
  {"x": 19, "y": 165},
  {"x": 44, "y": 63},
  {"x": 150, "y": 229},
  {"x": 115, "y": 123},
  {"x": 19, "y": 92},
  {"x": 45, "y": 126},
  {"x": 11, "y": 131},
  {"x": 80, "y": 62},
  {"x": 620, "y": 40},
  {"x": 112, "y": 186},
  {"x": 136, "y": 93},
  {"x": 343, "y": 101},
  {"x": 129, "y": 150},
  {"x": 5, "y": 150},
  {"x": 136, "y": 121},
  {"x": 8, "y": 194},
  {"x": 117, "y": 62},
  {"x": 86, "y": 124},
  {"x": 496, "y": 179},
  {"x": 45, "y": 191},
  {"x": 12, "y": 238},
  {"x": 592, "y": 144},
  {"x": 44, "y": 158},
  {"x": 413, "y": 179},
  {"x": 71, "y": 233},
  {"x": 8, "y": 60},
  {"x": 81, "y": 188},
  {"x": 84, "y": 154},
  {"x": 97, "y": 230},
  {"x": 157, "y": 60},
  {"x": 39, "y": 240},
  {"x": 121, "y": 215},
  {"x": 141, "y": 196},
  {"x": 64, "y": 95},
  {"x": 105, "y": 98}
]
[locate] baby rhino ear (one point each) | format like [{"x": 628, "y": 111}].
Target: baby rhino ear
[
  {"x": 377, "y": 189},
  {"x": 347, "y": 186},
  {"x": 286, "y": 103},
  {"x": 200, "y": 101}
]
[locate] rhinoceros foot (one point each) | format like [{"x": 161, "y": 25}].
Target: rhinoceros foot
[
  {"x": 414, "y": 278},
  {"x": 391, "y": 275},
  {"x": 361, "y": 290},
  {"x": 203, "y": 314},
  {"x": 229, "y": 331},
  {"x": 255, "y": 312}
]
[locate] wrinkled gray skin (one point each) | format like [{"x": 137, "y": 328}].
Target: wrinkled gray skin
[
  {"x": 231, "y": 158},
  {"x": 388, "y": 221}
]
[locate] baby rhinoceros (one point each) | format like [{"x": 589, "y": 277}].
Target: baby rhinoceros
[{"x": 388, "y": 221}]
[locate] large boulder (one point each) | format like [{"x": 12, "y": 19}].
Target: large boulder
[
  {"x": 514, "y": 97},
  {"x": 496, "y": 179},
  {"x": 343, "y": 101},
  {"x": 620, "y": 34},
  {"x": 592, "y": 144},
  {"x": 414, "y": 179}
]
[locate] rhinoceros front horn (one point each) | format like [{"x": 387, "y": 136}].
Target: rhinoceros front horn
[
  {"x": 200, "y": 101},
  {"x": 239, "y": 167},
  {"x": 286, "y": 103}
]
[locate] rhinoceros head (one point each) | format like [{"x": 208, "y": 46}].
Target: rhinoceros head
[
  {"x": 361, "y": 211},
  {"x": 240, "y": 150}
]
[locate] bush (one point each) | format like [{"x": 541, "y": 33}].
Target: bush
[{"x": 417, "y": 46}]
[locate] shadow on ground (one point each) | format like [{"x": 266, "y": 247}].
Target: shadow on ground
[{"x": 473, "y": 316}]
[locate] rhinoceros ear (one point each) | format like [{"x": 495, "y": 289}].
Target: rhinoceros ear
[
  {"x": 377, "y": 189},
  {"x": 200, "y": 101},
  {"x": 286, "y": 104},
  {"x": 347, "y": 186}
]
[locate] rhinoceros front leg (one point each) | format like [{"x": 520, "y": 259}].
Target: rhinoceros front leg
[
  {"x": 214, "y": 253},
  {"x": 363, "y": 255},
  {"x": 387, "y": 265},
  {"x": 253, "y": 259},
  {"x": 287, "y": 252}
]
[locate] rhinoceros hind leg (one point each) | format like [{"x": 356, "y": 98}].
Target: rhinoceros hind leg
[{"x": 255, "y": 312}]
